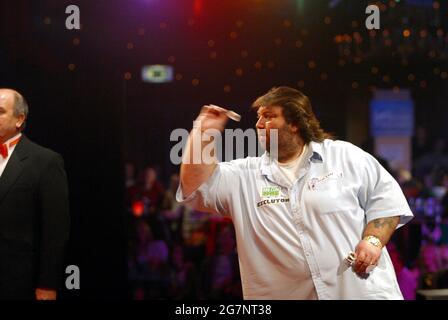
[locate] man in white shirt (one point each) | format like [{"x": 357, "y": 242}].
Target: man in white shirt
[{"x": 297, "y": 217}]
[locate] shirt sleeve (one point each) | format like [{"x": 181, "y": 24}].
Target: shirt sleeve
[
  {"x": 215, "y": 194},
  {"x": 380, "y": 194}
]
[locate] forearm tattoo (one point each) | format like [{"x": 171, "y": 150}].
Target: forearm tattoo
[
  {"x": 390, "y": 222},
  {"x": 383, "y": 228}
]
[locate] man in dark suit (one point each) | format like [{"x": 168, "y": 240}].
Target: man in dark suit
[{"x": 34, "y": 211}]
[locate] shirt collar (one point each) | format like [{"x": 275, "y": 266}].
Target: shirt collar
[
  {"x": 7, "y": 142},
  {"x": 316, "y": 149},
  {"x": 269, "y": 167},
  {"x": 314, "y": 154}
]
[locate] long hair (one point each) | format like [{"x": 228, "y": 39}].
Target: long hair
[{"x": 297, "y": 111}]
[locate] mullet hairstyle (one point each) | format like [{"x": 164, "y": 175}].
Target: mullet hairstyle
[{"x": 297, "y": 111}]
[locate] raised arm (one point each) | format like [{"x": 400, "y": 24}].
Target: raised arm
[{"x": 195, "y": 170}]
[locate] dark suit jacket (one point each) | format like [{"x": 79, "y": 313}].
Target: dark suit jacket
[{"x": 34, "y": 221}]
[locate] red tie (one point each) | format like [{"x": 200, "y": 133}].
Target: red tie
[
  {"x": 4, "y": 150},
  {"x": 4, "y": 147}
]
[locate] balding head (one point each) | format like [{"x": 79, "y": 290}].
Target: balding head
[
  {"x": 19, "y": 103},
  {"x": 7, "y": 95},
  {"x": 13, "y": 113}
]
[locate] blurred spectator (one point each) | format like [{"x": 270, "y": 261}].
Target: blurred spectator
[
  {"x": 169, "y": 202},
  {"x": 444, "y": 200},
  {"x": 433, "y": 266},
  {"x": 430, "y": 261},
  {"x": 420, "y": 142},
  {"x": 369, "y": 146},
  {"x": 194, "y": 227},
  {"x": 221, "y": 274},
  {"x": 151, "y": 189},
  {"x": 408, "y": 274},
  {"x": 172, "y": 211},
  {"x": 395, "y": 256},
  {"x": 412, "y": 189},
  {"x": 428, "y": 162},
  {"x": 131, "y": 185},
  {"x": 129, "y": 175},
  {"x": 408, "y": 279},
  {"x": 183, "y": 278},
  {"x": 149, "y": 264},
  {"x": 443, "y": 250}
]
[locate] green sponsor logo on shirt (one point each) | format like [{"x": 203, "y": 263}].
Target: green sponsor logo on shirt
[{"x": 268, "y": 192}]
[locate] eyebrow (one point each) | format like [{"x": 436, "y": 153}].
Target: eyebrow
[{"x": 264, "y": 111}]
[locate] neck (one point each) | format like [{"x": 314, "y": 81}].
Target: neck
[
  {"x": 149, "y": 185},
  {"x": 7, "y": 137},
  {"x": 291, "y": 154}
]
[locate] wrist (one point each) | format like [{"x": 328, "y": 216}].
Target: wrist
[{"x": 374, "y": 241}]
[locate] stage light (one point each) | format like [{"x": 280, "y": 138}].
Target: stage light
[
  {"x": 138, "y": 208},
  {"x": 197, "y": 7},
  {"x": 157, "y": 73},
  {"x": 300, "y": 6}
]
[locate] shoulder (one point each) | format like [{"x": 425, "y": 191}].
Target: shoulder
[
  {"x": 341, "y": 147},
  {"x": 344, "y": 152},
  {"x": 40, "y": 154}
]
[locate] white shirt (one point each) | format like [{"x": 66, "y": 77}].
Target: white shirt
[
  {"x": 4, "y": 161},
  {"x": 290, "y": 169},
  {"x": 293, "y": 239}
]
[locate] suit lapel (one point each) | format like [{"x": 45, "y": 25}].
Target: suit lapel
[{"x": 14, "y": 167}]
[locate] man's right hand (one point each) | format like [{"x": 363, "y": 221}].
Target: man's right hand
[
  {"x": 192, "y": 174},
  {"x": 212, "y": 117}
]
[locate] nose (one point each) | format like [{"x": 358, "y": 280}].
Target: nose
[{"x": 260, "y": 123}]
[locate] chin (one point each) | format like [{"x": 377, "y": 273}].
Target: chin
[{"x": 263, "y": 143}]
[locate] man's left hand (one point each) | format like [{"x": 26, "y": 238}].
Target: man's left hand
[
  {"x": 45, "y": 294},
  {"x": 366, "y": 255}
]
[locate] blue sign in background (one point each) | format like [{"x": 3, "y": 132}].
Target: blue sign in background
[{"x": 391, "y": 118}]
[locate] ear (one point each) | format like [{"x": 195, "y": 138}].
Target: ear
[
  {"x": 294, "y": 128},
  {"x": 20, "y": 121}
]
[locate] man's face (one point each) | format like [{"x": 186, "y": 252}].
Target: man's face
[
  {"x": 9, "y": 122},
  {"x": 270, "y": 118}
]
